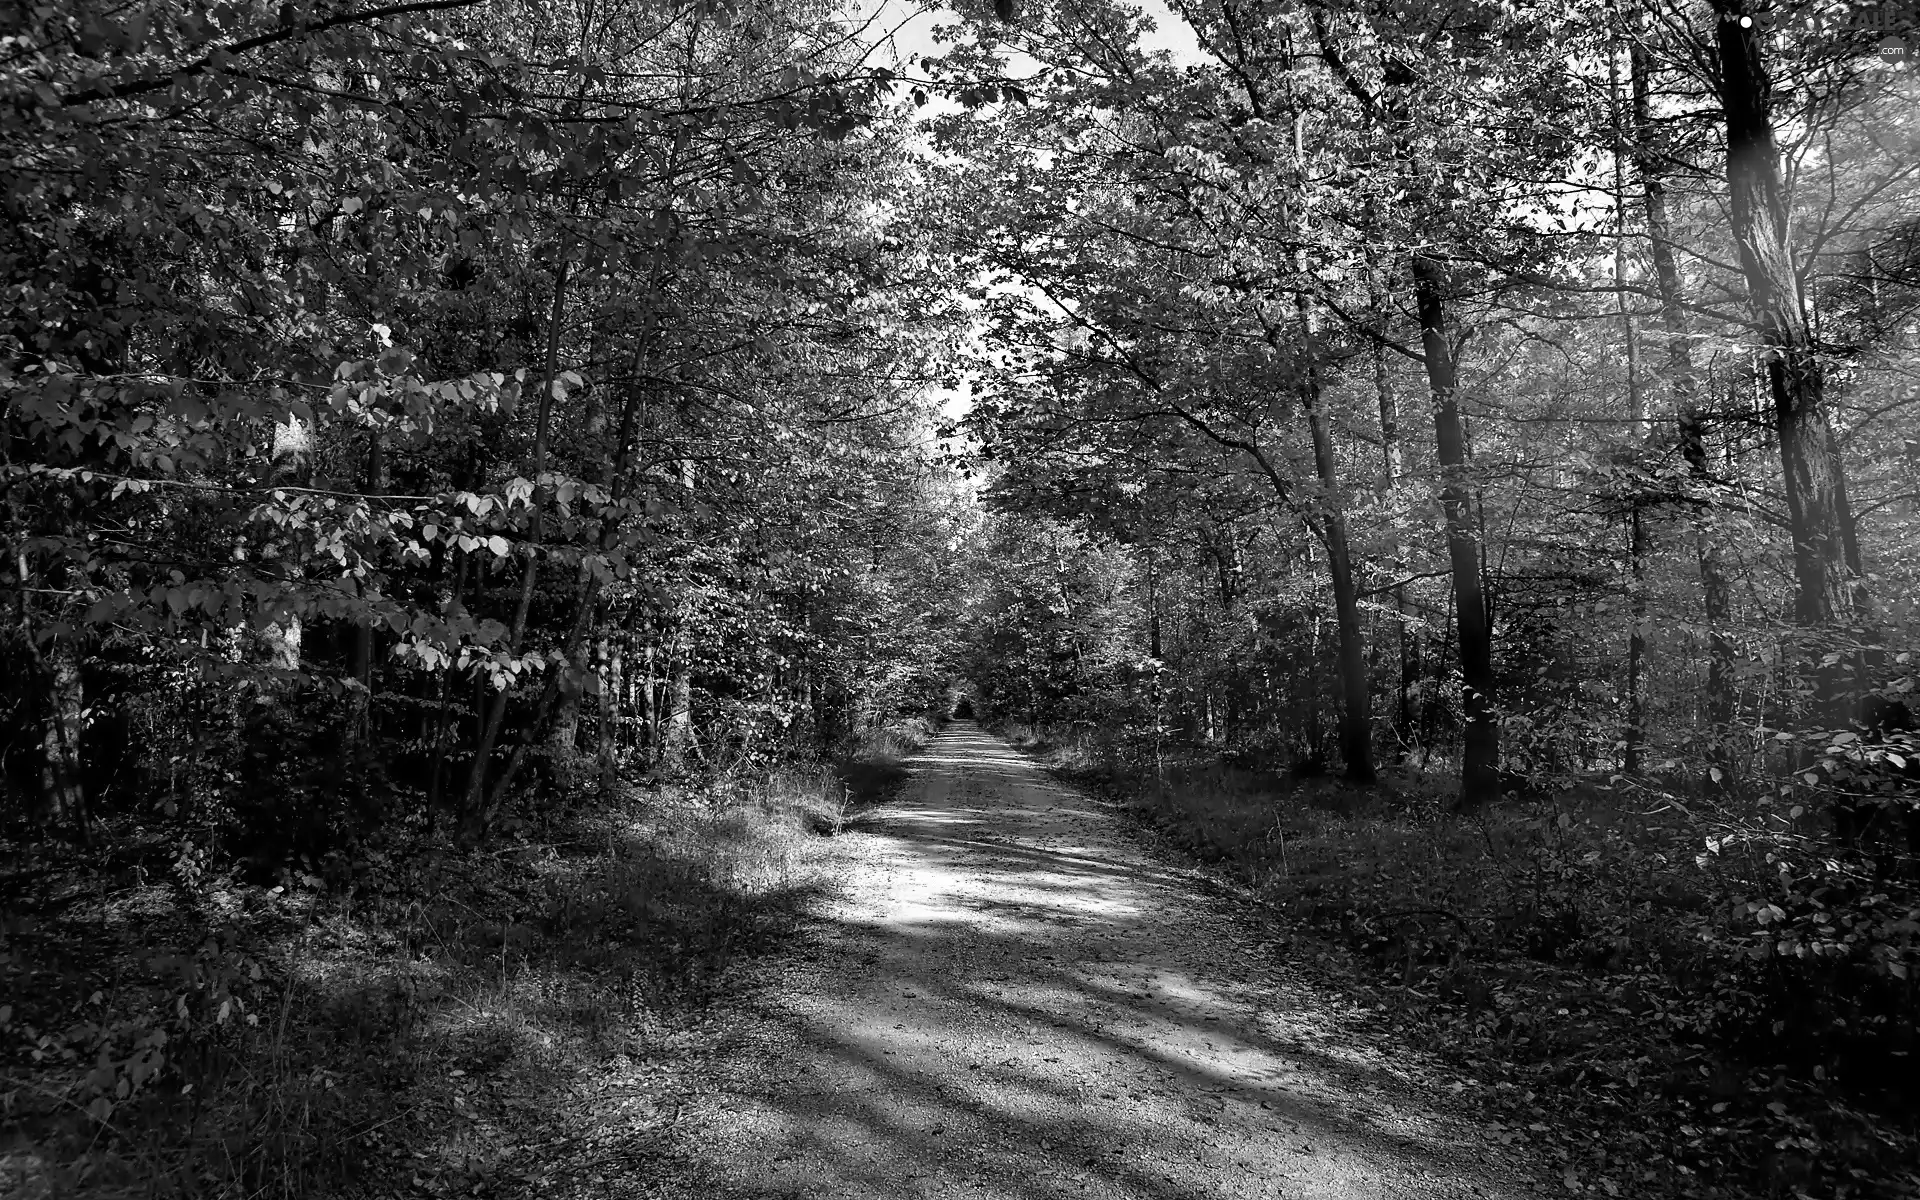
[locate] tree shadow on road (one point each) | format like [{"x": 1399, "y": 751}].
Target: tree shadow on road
[{"x": 1160, "y": 1053}]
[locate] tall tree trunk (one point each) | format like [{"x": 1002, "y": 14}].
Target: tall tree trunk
[
  {"x": 1633, "y": 736},
  {"x": 1356, "y": 715},
  {"x": 1689, "y": 415},
  {"x": 1480, "y": 754},
  {"x": 1393, "y": 452},
  {"x": 1826, "y": 564}
]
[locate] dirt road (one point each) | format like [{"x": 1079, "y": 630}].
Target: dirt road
[{"x": 1016, "y": 1000}]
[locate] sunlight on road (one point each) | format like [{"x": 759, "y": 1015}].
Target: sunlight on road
[{"x": 1016, "y": 1002}]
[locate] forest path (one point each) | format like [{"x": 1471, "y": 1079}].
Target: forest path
[{"x": 1015, "y": 1000}]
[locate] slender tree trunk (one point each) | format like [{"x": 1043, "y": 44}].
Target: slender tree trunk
[
  {"x": 612, "y": 707},
  {"x": 1633, "y": 736},
  {"x": 1356, "y": 716},
  {"x": 655, "y": 730},
  {"x": 623, "y": 479},
  {"x": 63, "y": 792},
  {"x": 443, "y": 715},
  {"x": 1156, "y": 687},
  {"x": 496, "y": 714},
  {"x": 1393, "y": 452},
  {"x": 1635, "y": 733},
  {"x": 359, "y": 724},
  {"x": 1480, "y": 756},
  {"x": 677, "y": 737},
  {"x": 376, "y": 483},
  {"x": 1690, "y": 417}
]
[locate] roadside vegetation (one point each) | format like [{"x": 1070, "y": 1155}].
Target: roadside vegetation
[
  {"x": 1587, "y": 956},
  {"x": 530, "y": 1019}
]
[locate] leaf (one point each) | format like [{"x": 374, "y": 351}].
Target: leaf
[{"x": 499, "y": 545}]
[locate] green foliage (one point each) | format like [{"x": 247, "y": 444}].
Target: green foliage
[
  {"x": 327, "y": 1041},
  {"x": 1669, "y": 974},
  {"x": 390, "y": 393}
]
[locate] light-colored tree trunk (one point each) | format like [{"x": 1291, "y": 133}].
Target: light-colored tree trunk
[
  {"x": 613, "y": 706},
  {"x": 676, "y": 740}
]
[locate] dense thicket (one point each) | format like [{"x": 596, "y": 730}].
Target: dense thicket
[{"x": 403, "y": 401}]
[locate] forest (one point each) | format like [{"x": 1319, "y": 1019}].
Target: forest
[{"x": 493, "y": 489}]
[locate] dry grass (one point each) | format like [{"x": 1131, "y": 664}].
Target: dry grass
[{"x": 527, "y": 1021}]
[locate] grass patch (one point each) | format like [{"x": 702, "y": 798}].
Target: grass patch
[
  {"x": 874, "y": 769},
  {"x": 1580, "y": 955},
  {"x": 531, "y": 1020}
]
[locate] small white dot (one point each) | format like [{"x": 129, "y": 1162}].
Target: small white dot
[{"x": 1746, "y": 22}]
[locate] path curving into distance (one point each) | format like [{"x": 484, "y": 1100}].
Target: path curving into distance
[{"x": 1015, "y": 1000}]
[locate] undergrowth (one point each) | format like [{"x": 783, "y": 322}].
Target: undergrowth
[
  {"x": 1590, "y": 953},
  {"x": 529, "y": 1019}
]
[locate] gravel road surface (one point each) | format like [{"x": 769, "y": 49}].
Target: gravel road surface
[{"x": 1014, "y": 998}]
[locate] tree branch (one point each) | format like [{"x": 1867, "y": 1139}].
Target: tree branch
[{"x": 210, "y": 61}]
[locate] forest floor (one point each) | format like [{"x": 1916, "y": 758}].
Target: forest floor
[{"x": 1012, "y": 998}]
